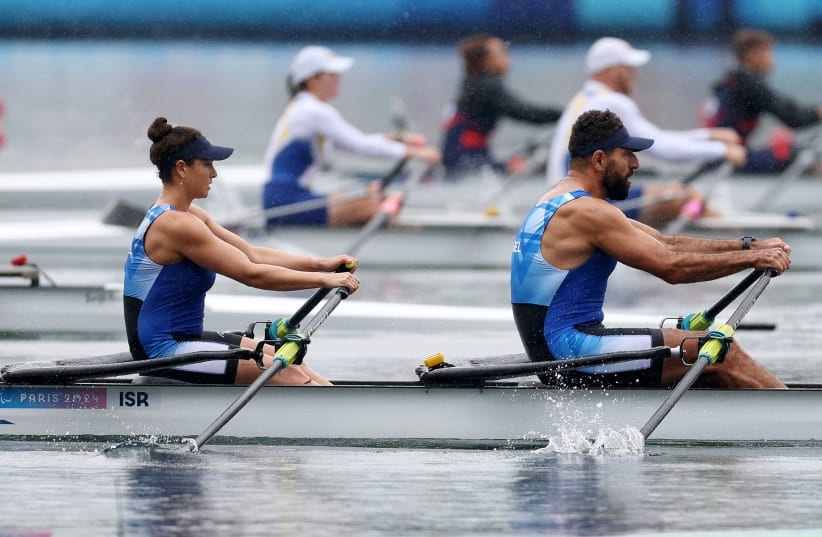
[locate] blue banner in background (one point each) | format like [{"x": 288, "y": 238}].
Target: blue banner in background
[{"x": 421, "y": 20}]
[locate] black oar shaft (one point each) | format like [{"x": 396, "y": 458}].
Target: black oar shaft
[
  {"x": 294, "y": 321},
  {"x": 388, "y": 178},
  {"x": 378, "y": 220},
  {"x": 702, "y": 361},
  {"x": 452, "y": 375},
  {"x": 269, "y": 373},
  {"x": 702, "y": 170},
  {"x": 733, "y": 294},
  {"x": 745, "y": 306}
]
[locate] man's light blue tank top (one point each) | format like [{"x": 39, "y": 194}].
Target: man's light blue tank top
[{"x": 572, "y": 297}]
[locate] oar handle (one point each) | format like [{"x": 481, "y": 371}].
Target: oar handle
[
  {"x": 284, "y": 356},
  {"x": 709, "y": 352},
  {"x": 282, "y": 327},
  {"x": 293, "y": 349},
  {"x": 704, "y": 319}
]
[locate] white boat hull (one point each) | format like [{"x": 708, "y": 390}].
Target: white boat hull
[
  {"x": 418, "y": 238},
  {"x": 409, "y": 413},
  {"x": 99, "y": 309},
  {"x": 96, "y": 187}
]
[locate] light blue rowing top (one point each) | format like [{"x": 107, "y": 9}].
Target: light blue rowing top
[
  {"x": 571, "y": 297},
  {"x": 171, "y": 298}
]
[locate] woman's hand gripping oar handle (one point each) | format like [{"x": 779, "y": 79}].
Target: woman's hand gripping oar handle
[
  {"x": 704, "y": 319},
  {"x": 284, "y": 326},
  {"x": 712, "y": 351},
  {"x": 290, "y": 352}
]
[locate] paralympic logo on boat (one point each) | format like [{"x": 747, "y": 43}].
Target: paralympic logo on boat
[{"x": 53, "y": 397}]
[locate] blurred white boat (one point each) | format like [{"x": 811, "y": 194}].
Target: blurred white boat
[{"x": 416, "y": 238}]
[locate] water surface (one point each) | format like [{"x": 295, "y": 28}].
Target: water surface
[{"x": 78, "y": 105}]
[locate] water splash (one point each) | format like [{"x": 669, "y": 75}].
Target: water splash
[
  {"x": 133, "y": 447},
  {"x": 606, "y": 441}
]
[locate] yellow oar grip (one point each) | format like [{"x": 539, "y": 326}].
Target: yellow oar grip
[
  {"x": 712, "y": 350},
  {"x": 288, "y": 353},
  {"x": 278, "y": 329},
  {"x": 696, "y": 321}
]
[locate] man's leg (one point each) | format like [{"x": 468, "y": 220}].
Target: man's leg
[{"x": 738, "y": 370}]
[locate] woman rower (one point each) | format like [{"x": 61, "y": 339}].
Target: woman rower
[
  {"x": 175, "y": 255},
  {"x": 309, "y": 129},
  {"x": 482, "y": 101}
]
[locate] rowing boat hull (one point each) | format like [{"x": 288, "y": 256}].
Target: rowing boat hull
[
  {"x": 99, "y": 310},
  {"x": 363, "y": 413},
  {"x": 94, "y": 188},
  {"x": 418, "y": 238}
]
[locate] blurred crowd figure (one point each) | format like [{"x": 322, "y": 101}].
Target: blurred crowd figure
[
  {"x": 742, "y": 96},
  {"x": 309, "y": 128},
  {"x": 483, "y": 100},
  {"x": 610, "y": 65},
  {"x": 306, "y": 134}
]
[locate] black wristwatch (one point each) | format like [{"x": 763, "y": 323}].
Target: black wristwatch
[{"x": 746, "y": 242}]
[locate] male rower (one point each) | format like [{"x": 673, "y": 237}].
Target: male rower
[
  {"x": 570, "y": 243},
  {"x": 743, "y": 95},
  {"x": 611, "y": 65}
]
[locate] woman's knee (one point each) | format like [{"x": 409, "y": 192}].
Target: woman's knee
[{"x": 291, "y": 376}]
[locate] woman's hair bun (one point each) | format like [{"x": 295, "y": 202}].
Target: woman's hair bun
[{"x": 159, "y": 129}]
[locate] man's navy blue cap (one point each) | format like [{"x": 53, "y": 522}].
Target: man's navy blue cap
[
  {"x": 620, "y": 138},
  {"x": 200, "y": 148}
]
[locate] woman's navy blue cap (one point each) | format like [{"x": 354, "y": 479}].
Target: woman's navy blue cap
[
  {"x": 200, "y": 148},
  {"x": 620, "y": 138}
]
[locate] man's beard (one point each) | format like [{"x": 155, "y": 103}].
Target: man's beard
[{"x": 616, "y": 185}]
